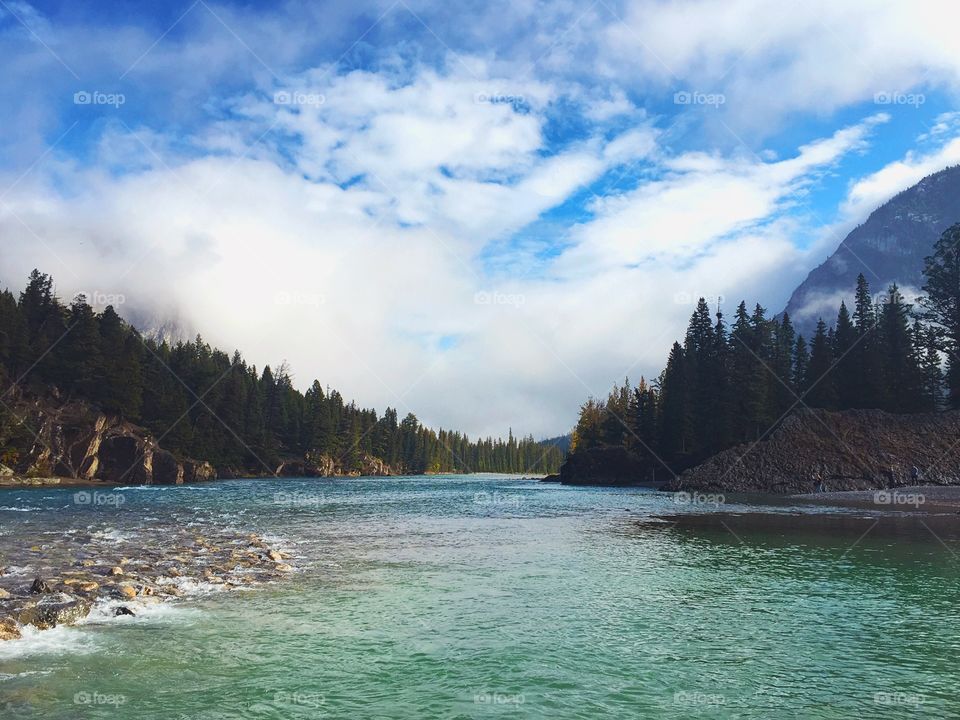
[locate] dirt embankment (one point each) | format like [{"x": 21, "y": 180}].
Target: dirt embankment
[{"x": 848, "y": 450}]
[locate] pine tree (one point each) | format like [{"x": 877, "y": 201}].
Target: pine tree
[
  {"x": 900, "y": 368},
  {"x": 782, "y": 394},
  {"x": 942, "y": 304},
  {"x": 845, "y": 372},
  {"x": 79, "y": 351},
  {"x": 674, "y": 431},
  {"x": 820, "y": 381},
  {"x": 865, "y": 353},
  {"x": 931, "y": 376}
]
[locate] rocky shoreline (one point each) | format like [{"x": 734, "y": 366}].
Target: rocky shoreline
[{"x": 62, "y": 587}]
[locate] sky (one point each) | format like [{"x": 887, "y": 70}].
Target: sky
[{"x": 480, "y": 212}]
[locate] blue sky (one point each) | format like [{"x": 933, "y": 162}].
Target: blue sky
[{"x": 482, "y": 212}]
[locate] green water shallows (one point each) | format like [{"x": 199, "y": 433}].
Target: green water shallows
[{"x": 483, "y": 597}]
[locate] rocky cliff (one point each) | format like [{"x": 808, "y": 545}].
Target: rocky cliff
[
  {"x": 849, "y": 450},
  {"x": 890, "y": 246},
  {"x": 76, "y": 441}
]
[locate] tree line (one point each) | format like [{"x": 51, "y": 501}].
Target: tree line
[
  {"x": 202, "y": 403},
  {"x": 727, "y": 384}
]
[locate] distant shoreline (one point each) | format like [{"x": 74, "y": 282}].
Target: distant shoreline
[{"x": 10, "y": 482}]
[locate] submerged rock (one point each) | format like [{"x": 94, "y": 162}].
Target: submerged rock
[{"x": 124, "y": 610}]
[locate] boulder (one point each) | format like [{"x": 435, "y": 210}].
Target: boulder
[
  {"x": 194, "y": 471},
  {"x": 55, "y": 609},
  {"x": 40, "y": 586}
]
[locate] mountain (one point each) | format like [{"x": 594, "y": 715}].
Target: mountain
[{"x": 890, "y": 246}]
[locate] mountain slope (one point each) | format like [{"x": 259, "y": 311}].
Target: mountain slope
[{"x": 889, "y": 246}]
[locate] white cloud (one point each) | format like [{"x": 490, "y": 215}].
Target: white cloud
[{"x": 347, "y": 235}]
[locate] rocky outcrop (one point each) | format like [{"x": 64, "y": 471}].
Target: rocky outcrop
[
  {"x": 849, "y": 450},
  {"x": 76, "y": 441},
  {"x": 317, "y": 464},
  {"x": 198, "y": 471}
]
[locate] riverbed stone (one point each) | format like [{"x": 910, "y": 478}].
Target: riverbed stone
[{"x": 9, "y": 629}]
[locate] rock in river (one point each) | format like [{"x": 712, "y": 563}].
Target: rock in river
[
  {"x": 9, "y": 630},
  {"x": 40, "y": 586},
  {"x": 56, "y": 609}
]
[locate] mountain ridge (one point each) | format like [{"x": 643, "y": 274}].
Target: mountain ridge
[{"x": 888, "y": 246}]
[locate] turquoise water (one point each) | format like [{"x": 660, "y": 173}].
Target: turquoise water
[{"x": 483, "y": 597}]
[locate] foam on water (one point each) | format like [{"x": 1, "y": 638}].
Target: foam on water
[
  {"x": 18, "y": 570},
  {"x": 25, "y": 673},
  {"x": 61, "y": 640},
  {"x": 112, "y": 534},
  {"x": 146, "y": 610}
]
